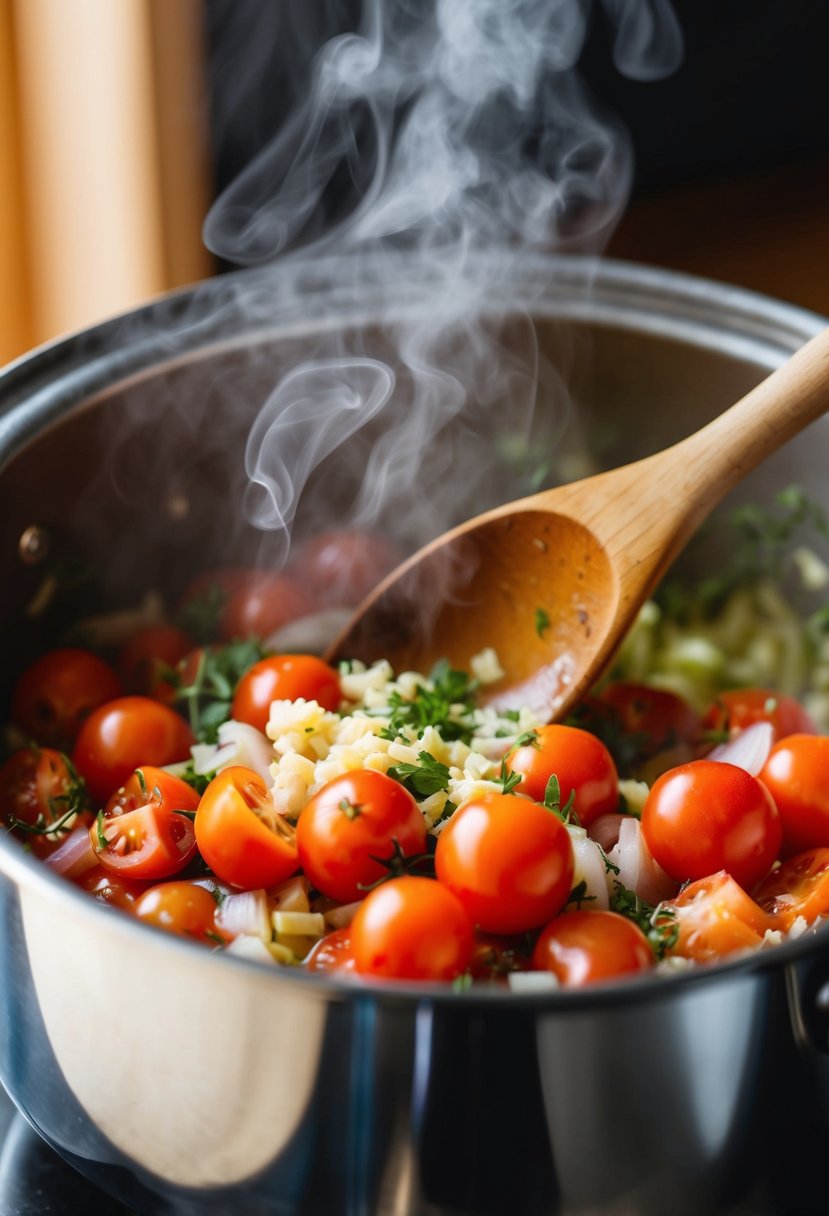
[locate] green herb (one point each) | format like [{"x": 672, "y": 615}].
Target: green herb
[
  {"x": 508, "y": 780},
  {"x": 552, "y": 801},
  {"x": 528, "y": 739},
  {"x": 214, "y": 937},
  {"x": 448, "y": 706},
  {"x": 99, "y": 832},
  {"x": 62, "y": 807},
  {"x": 462, "y": 983},
  {"x": 659, "y": 924},
  {"x": 201, "y": 615},
  {"x": 198, "y": 781},
  {"x": 423, "y": 779},
  {"x": 542, "y": 621},
  {"x": 208, "y": 697}
]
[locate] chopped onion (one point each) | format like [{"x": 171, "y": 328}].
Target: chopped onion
[
  {"x": 589, "y": 868},
  {"x": 252, "y": 948},
  {"x": 605, "y": 829},
  {"x": 291, "y": 896},
  {"x": 75, "y": 855},
  {"x": 749, "y": 750},
  {"x": 239, "y": 743},
  {"x": 245, "y": 913},
  {"x": 637, "y": 869}
]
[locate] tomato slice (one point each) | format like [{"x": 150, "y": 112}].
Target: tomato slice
[
  {"x": 716, "y": 917},
  {"x": 241, "y": 835},
  {"x": 799, "y": 887},
  {"x": 149, "y": 784},
  {"x": 148, "y": 842}
]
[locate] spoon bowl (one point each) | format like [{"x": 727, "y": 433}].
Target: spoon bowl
[{"x": 553, "y": 582}]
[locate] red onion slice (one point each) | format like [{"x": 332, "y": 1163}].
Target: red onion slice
[
  {"x": 75, "y": 855},
  {"x": 605, "y": 829},
  {"x": 748, "y": 750},
  {"x": 245, "y": 912}
]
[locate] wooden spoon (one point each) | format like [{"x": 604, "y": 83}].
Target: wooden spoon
[{"x": 552, "y": 582}]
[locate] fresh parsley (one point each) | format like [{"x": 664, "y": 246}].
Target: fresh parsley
[
  {"x": 207, "y": 697},
  {"x": 659, "y": 924},
  {"x": 448, "y": 705},
  {"x": 423, "y": 779},
  {"x": 542, "y": 621}
]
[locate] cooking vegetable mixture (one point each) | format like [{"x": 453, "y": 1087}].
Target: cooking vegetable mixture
[{"x": 209, "y": 780}]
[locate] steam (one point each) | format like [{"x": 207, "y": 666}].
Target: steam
[{"x": 462, "y": 139}]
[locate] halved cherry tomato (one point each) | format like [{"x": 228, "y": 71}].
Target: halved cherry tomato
[
  {"x": 149, "y": 654},
  {"x": 412, "y": 929},
  {"x": 738, "y": 708},
  {"x": 240, "y": 834},
  {"x": 149, "y": 784},
  {"x": 342, "y": 566},
  {"x": 351, "y": 826},
  {"x": 38, "y": 790},
  {"x": 332, "y": 953},
  {"x": 800, "y": 887},
  {"x": 508, "y": 861},
  {"x": 706, "y": 816},
  {"x": 150, "y": 842},
  {"x": 579, "y": 760},
  {"x": 716, "y": 917},
  {"x": 52, "y": 698},
  {"x": 284, "y": 677},
  {"x": 123, "y": 734},
  {"x": 796, "y": 775},
  {"x": 111, "y": 888},
  {"x": 181, "y": 907},
  {"x": 586, "y": 947}
]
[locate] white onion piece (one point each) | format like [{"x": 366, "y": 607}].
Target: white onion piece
[
  {"x": 589, "y": 868},
  {"x": 239, "y": 743},
  {"x": 749, "y": 750},
  {"x": 605, "y": 829},
  {"x": 637, "y": 869},
  {"x": 75, "y": 855},
  {"x": 310, "y": 634},
  {"x": 245, "y": 913}
]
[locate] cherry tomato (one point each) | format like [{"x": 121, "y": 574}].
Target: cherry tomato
[
  {"x": 733, "y": 711},
  {"x": 342, "y": 566},
  {"x": 706, "y": 816},
  {"x": 332, "y": 953},
  {"x": 111, "y": 888},
  {"x": 412, "y": 929},
  {"x": 261, "y": 604},
  {"x": 352, "y": 824},
  {"x": 181, "y": 907},
  {"x": 147, "y": 785},
  {"x": 54, "y": 696},
  {"x": 716, "y": 917},
  {"x": 656, "y": 718},
  {"x": 586, "y": 947},
  {"x": 123, "y": 734},
  {"x": 508, "y": 861},
  {"x": 797, "y": 776},
  {"x": 493, "y": 957},
  {"x": 240, "y": 834},
  {"x": 149, "y": 654},
  {"x": 150, "y": 842},
  {"x": 580, "y": 761},
  {"x": 284, "y": 677},
  {"x": 800, "y": 887},
  {"x": 39, "y": 788}
]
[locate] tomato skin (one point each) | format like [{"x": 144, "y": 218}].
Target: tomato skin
[
  {"x": 716, "y": 917},
  {"x": 261, "y": 604},
  {"x": 590, "y": 946},
  {"x": 796, "y": 775},
  {"x": 53, "y": 697},
  {"x": 284, "y": 677},
  {"x": 240, "y": 835},
  {"x": 111, "y": 888},
  {"x": 121, "y": 735},
  {"x": 36, "y": 786},
  {"x": 662, "y": 719},
  {"x": 581, "y": 762},
  {"x": 180, "y": 907},
  {"x": 738, "y": 708},
  {"x": 799, "y": 887},
  {"x": 348, "y": 824},
  {"x": 411, "y": 929},
  {"x": 149, "y": 784},
  {"x": 508, "y": 861},
  {"x": 706, "y": 816},
  {"x": 149, "y": 842},
  {"x": 145, "y": 658},
  {"x": 341, "y": 566},
  {"x": 333, "y": 953}
]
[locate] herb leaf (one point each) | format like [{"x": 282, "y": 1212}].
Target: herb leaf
[
  {"x": 423, "y": 779},
  {"x": 542, "y": 621},
  {"x": 449, "y": 706}
]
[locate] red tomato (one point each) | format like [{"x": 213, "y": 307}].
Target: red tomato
[
  {"x": 412, "y": 929},
  {"x": 659, "y": 719},
  {"x": 495, "y": 957},
  {"x": 119, "y": 737},
  {"x": 508, "y": 860},
  {"x": 38, "y": 788},
  {"x": 284, "y": 677},
  {"x": 149, "y": 655},
  {"x": 586, "y": 947},
  {"x": 150, "y": 842},
  {"x": 352, "y": 824},
  {"x": 54, "y": 696},
  {"x": 706, "y": 816},
  {"x": 332, "y": 953},
  {"x": 733, "y": 711},
  {"x": 152, "y": 785},
  {"x": 797, "y": 776},
  {"x": 342, "y": 566},
  {"x": 800, "y": 887},
  {"x": 716, "y": 917},
  {"x": 240, "y": 834},
  {"x": 261, "y": 604},
  {"x": 579, "y": 760},
  {"x": 111, "y": 888},
  {"x": 181, "y": 907}
]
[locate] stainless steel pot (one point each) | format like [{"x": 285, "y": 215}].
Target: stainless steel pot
[{"x": 184, "y": 1081}]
